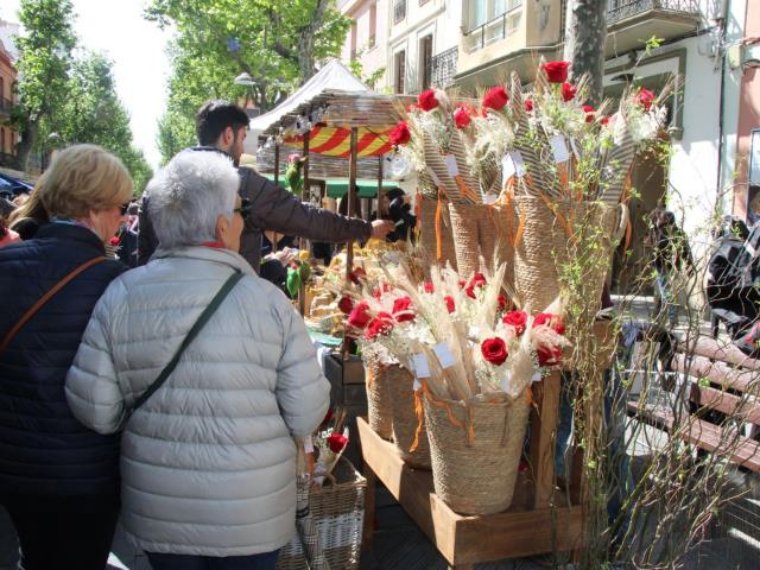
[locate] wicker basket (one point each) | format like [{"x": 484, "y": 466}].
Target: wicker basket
[
  {"x": 406, "y": 422},
  {"x": 379, "y": 398},
  {"x": 475, "y": 450},
  {"x": 546, "y": 242},
  {"x": 428, "y": 241},
  {"x": 338, "y": 512}
]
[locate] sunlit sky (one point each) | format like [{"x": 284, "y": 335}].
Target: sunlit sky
[{"x": 137, "y": 48}]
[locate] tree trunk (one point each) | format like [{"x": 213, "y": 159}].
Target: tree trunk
[
  {"x": 28, "y": 132},
  {"x": 588, "y": 33}
]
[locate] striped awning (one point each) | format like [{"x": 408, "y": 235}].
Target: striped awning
[{"x": 335, "y": 141}]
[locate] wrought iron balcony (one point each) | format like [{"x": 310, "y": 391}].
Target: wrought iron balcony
[
  {"x": 444, "y": 68},
  {"x": 621, "y": 9},
  {"x": 495, "y": 29},
  {"x": 399, "y": 11}
]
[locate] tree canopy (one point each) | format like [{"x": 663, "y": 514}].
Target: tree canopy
[{"x": 277, "y": 43}]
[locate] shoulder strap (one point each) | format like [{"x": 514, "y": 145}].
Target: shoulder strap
[
  {"x": 202, "y": 320},
  {"x": 34, "y": 309}
]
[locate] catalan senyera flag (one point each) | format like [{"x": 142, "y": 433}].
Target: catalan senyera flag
[{"x": 335, "y": 141}]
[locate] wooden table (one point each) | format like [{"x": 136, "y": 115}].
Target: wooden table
[{"x": 534, "y": 524}]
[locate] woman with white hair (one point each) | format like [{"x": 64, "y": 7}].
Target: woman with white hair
[{"x": 208, "y": 460}]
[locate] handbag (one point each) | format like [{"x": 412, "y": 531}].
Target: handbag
[
  {"x": 196, "y": 328},
  {"x": 34, "y": 309}
]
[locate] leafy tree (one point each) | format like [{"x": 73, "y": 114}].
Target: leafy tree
[
  {"x": 277, "y": 43},
  {"x": 94, "y": 114},
  {"x": 45, "y": 56}
]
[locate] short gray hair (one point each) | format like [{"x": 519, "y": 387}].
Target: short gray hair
[{"x": 187, "y": 196}]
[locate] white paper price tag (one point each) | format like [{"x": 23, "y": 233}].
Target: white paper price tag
[
  {"x": 537, "y": 377},
  {"x": 416, "y": 385},
  {"x": 504, "y": 384},
  {"x": 308, "y": 445},
  {"x": 489, "y": 199},
  {"x": 451, "y": 165},
  {"x": 434, "y": 176},
  {"x": 559, "y": 148},
  {"x": 444, "y": 355},
  {"x": 518, "y": 162},
  {"x": 421, "y": 366},
  {"x": 507, "y": 168}
]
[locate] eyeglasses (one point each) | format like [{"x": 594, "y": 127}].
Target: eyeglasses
[{"x": 245, "y": 208}]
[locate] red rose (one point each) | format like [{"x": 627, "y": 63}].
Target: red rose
[
  {"x": 590, "y": 113},
  {"x": 605, "y": 121},
  {"x": 529, "y": 105},
  {"x": 359, "y": 317},
  {"x": 114, "y": 241},
  {"x": 549, "y": 320},
  {"x": 645, "y": 98},
  {"x": 494, "y": 350},
  {"x": 556, "y": 71},
  {"x": 461, "y": 283},
  {"x": 462, "y": 117},
  {"x": 495, "y": 98},
  {"x": 516, "y": 319},
  {"x": 428, "y": 287},
  {"x": 400, "y": 134},
  {"x": 427, "y": 101},
  {"x": 478, "y": 281},
  {"x": 449, "y": 300},
  {"x": 548, "y": 356},
  {"x": 382, "y": 324},
  {"x": 336, "y": 442},
  {"x": 346, "y": 304},
  {"x": 502, "y": 301},
  {"x": 568, "y": 91},
  {"x": 403, "y": 309}
]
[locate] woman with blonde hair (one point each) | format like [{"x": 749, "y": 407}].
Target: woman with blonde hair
[{"x": 58, "y": 480}]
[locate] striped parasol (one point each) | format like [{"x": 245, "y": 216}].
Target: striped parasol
[{"x": 336, "y": 141}]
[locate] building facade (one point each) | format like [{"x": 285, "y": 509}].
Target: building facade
[{"x": 8, "y": 74}]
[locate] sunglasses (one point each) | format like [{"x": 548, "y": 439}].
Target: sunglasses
[
  {"x": 124, "y": 208},
  {"x": 245, "y": 208}
]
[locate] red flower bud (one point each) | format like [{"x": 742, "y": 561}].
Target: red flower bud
[
  {"x": 556, "y": 71},
  {"x": 382, "y": 324},
  {"x": 516, "y": 319},
  {"x": 529, "y": 105},
  {"x": 428, "y": 287},
  {"x": 478, "y": 281},
  {"x": 548, "y": 356},
  {"x": 346, "y": 304},
  {"x": 590, "y": 113},
  {"x": 403, "y": 309},
  {"x": 549, "y": 320},
  {"x": 449, "y": 300},
  {"x": 502, "y": 301},
  {"x": 645, "y": 98},
  {"x": 427, "y": 101},
  {"x": 462, "y": 117},
  {"x": 336, "y": 442},
  {"x": 494, "y": 350},
  {"x": 400, "y": 134},
  {"x": 359, "y": 317},
  {"x": 568, "y": 91},
  {"x": 495, "y": 98}
]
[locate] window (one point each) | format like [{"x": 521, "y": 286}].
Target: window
[
  {"x": 477, "y": 13},
  {"x": 399, "y": 68},
  {"x": 426, "y": 61},
  {"x": 372, "y": 25},
  {"x": 399, "y": 11},
  {"x": 2, "y": 88},
  {"x": 480, "y": 12}
]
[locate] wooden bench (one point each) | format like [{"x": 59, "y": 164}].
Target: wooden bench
[{"x": 716, "y": 406}]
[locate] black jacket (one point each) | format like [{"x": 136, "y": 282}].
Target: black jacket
[
  {"x": 272, "y": 208},
  {"x": 44, "y": 450}
]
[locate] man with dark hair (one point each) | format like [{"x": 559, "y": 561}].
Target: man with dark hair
[{"x": 222, "y": 127}]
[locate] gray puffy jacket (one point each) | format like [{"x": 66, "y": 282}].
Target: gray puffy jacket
[{"x": 208, "y": 462}]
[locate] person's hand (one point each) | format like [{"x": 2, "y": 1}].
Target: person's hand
[
  {"x": 285, "y": 256},
  {"x": 381, "y": 228}
]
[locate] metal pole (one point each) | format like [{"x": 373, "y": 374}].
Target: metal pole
[
  {"x": 352, "y": 166},
  {"x": 304, "y": 244}
]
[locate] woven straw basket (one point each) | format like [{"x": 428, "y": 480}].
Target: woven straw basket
[
  {"x": 406, "y": 422},
  {"x": 379, "y": 397},
  {"x": 478, "y": 230},
  {"x": 338, "y": 513},
  {"x": 475, "y": 450},
  {"x": 545, "y": 243},
  {"x": 428, "y": 207}
]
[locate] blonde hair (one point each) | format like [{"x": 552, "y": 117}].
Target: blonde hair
[
  {"x": 81, "y": 178},
  {"x": 31, "y": 209}
]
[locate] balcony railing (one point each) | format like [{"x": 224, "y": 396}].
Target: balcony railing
[
  {"x": 444, "y": 68},
  {"x": 6, "y": 105},
  {"x": 622, "y": 9},
  {"x": 399, "y": 11},
  {"x": 495, "y": 29}
]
